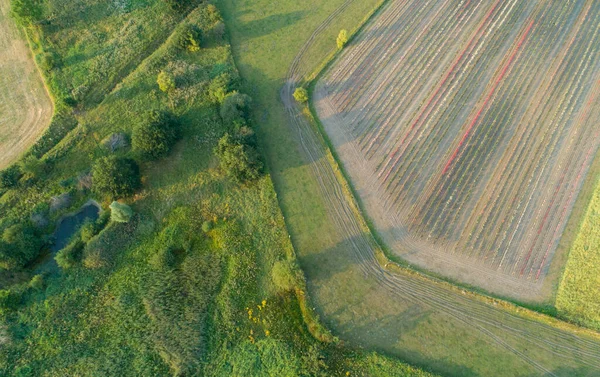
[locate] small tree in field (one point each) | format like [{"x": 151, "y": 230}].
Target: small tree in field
[
  {"x": 342, "y": 39},
  {"x": 165, "y": 81},
  {"x": 120, "y": 213},
  {"x": 116, "y": 177},
  {"x": 155, "y": 136},
  {"x": 239, "y": 161},
  {"x": 301, "y": 95}
]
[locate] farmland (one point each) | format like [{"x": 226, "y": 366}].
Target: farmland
[
  {"x": 467, "y": 129},
  {"x": 25, "y": 108}
]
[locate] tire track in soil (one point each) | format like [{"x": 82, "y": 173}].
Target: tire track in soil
[{"x": 498, "y": 325}]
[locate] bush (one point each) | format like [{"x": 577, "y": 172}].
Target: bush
[
  {"x": 37, "y": 282},
  {"x": 212, "y": 13},
  {"x": 154, "y": 137},
  {"x": 8, "y": 300},
  {"x": 69, "y": 255},
  {"x": 207, "y": 226},
  {"x": 239, "y": 161},
  {"x": 301, "y": 95},
  {"x": 283, "y": 276},
  {"x": 32, "y": 165},
  {"x": 235, "y": 107},
  {"x": 10, "y": 176},
  {"x": 19, "y": 246},
  {"x": 219, "y": 87},
  {"x": 342, "y": 39},
  {"x": 26, "y": 12},
  {"x": 90, "y": 229},
  {"x": 178, "y": 5},
  {"x": 189, "y": 38},
  {"x": 165, "y": 81},
  {"x": 116, "y": 177},
  {"x": 120, "y": 213}
]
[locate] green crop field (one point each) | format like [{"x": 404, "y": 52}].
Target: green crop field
[{"x": 578, "y": 297}]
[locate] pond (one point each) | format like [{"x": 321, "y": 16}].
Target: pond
[{"x": 68, "y": 225}]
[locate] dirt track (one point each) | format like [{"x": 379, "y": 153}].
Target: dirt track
[
  {"x": 25, "y": 108},
  {"x": 544, "y": 349}
]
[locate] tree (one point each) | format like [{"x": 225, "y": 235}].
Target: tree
[
  {"x": 219, "y": 87},
  {"x": 116, "y": 177},
  {"x": 342, "y": 39},
  {"x": 239, "y": 161},
  {"x": 165, "y": 81},
  {"x": 235, "y": 107},
  {"x": 301, "y": 95},
  {"x": 26, "y": 12},
  {"x": 19, "y": 246},
  {"x": 120, "y": 213},
  {"x": 155, "y": 137},
  {"x": 9, "y": 177},
  {"x": 189, "y": 38}
]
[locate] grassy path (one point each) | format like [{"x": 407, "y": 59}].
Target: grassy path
[
  {"x": 25, "y": 108},
  {"x": 367, "y": 305}
]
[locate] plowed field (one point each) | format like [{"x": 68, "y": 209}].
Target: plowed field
[{"x": 467, "y": 129}]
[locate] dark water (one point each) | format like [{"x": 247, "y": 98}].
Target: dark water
[{"x": 69, "y": 225}]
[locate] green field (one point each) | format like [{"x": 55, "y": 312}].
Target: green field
[{"x": 578, "y": 296}]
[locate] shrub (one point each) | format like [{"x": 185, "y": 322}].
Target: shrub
[
  {"x": 120, "y": 213},
  {"x": 116, "y": 177},
  {"x": 207, "y": 226},
  {"x": 219, "y": 87},
  {"x": 69, "y": 255},
  {"x": 32, "y": 165},
  {"x": 26, "y": 12},
  {"x": 116, "y": 141},
  {"x": 165, "y": 81},
  {"x": 10, "y": 176},
  {"x": 235, "y": 107},
  {"x": 342, "y": 39},
  {"x": 154, "y": 137},
  {"x": 218, "y": 31},
  {"x": 189, "y": 38},
  {"x": 19, "y": 246},
  {"x": 37, "y": 282},
  {"x": 283, "y": 276},
  {"x": 239, "y": 161},
  {"x": 8, "y": 300},
  {"x": 301, "y": 95},
  {"x": 212, "y": 13},
  {"x": 178, "y": 5}
]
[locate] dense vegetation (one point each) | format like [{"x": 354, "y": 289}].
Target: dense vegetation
[{"x": 191, "y": 272}]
